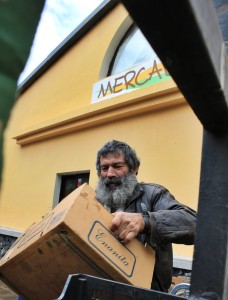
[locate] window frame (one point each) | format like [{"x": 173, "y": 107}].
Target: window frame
[{"x": 58, "y": 184}]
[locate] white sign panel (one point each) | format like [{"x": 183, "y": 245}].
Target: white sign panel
[{"x": 138, "y": 77}]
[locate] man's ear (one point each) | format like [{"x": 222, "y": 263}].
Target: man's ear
[{"x": 135, "y": 172}]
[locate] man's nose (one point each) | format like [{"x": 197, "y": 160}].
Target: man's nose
[{"x": 111, "y": 172}]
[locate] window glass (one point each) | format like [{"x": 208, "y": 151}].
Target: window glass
[
  {"x": 133, "y": 51},
  {"x": 70, "y": 182}
]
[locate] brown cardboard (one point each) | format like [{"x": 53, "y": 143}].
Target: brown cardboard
[{"x": 73, "y": 238}]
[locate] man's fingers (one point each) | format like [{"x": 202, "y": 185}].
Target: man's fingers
[
  {"x": 116, "y": 222},
  {"x": 127, "y": 236},
  {"x": 120, "y": 230},
  {"x": 126, "y": 225}
]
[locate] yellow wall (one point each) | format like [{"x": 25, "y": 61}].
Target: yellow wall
[{"x": 58, "y": 131}]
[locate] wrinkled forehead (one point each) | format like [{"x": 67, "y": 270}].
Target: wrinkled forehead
[{"x": 118, "y": 154}]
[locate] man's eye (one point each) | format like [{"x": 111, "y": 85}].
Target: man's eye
[
  {"x": 119, "y": 166},
  {"x": 104, "y": 169}
]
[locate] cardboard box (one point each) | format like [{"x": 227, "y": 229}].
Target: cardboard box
[{"x": 73, "y": 238}]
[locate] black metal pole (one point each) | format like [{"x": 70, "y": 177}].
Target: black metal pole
[
  {"x": 209, "y": 273},
  {"x": 186, "y": 37}
]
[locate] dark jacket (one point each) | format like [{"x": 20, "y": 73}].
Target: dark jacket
[{"x": 170, "y": 222}]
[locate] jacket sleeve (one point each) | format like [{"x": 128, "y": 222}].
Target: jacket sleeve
[{"x": 170, "y": 221}]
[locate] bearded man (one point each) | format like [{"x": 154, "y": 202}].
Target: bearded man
[{"x": 145, "y": 211}]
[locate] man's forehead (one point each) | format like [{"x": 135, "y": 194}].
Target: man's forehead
[{"x": 113, "y": 155}]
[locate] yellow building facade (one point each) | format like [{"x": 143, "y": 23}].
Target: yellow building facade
[{"x": 56, "y": 128}]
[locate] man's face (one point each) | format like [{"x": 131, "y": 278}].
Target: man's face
[
  {"x": 116, "y": 184},
  {"x": 113, "y": 166}
]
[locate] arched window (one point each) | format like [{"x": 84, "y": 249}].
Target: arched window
[{"x": 133, "y": 50}]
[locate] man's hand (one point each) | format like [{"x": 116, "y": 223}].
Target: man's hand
[{"x": 127, "y": 225}]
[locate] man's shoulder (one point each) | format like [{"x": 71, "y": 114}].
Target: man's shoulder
[
  {"x": 150, "y": 193},
  {"x": 151, "y": 186},
  {"x": 152, "y": 189},
  {"x": 155, "y": 191}
]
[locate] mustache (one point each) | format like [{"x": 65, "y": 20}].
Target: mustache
[{"x": 117, "y": 181}]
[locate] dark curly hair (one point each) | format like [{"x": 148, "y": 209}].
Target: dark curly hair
[{"x": 114, "y": 147}]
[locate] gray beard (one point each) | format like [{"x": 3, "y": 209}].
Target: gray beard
[{"x": 116, "y": 198}]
